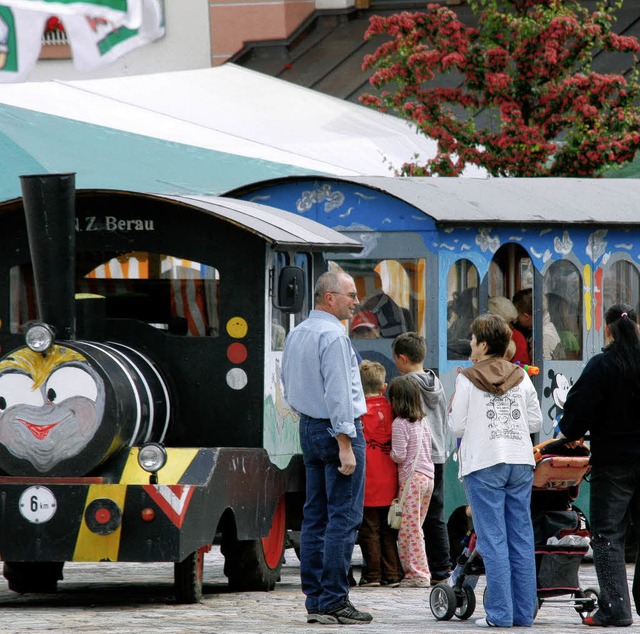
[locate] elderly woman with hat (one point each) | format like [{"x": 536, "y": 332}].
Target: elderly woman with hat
[{"x": 517, "y": 350}]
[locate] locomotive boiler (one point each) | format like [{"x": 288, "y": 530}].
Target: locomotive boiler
[{"x": 141, "y": 410}]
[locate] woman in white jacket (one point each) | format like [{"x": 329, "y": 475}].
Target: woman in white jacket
[{"x": 493, "y": 411}]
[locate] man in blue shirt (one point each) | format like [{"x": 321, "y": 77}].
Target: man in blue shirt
[{"x": 322, "y": 384}]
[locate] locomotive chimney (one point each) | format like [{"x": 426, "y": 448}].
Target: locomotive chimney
[{"x": 49, "y": 207}]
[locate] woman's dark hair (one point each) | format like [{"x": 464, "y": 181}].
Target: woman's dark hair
[
  {"x": 622, "y": 322},
  {"x": 406, "y": 402},
  {"x": 494, "y": 330}
]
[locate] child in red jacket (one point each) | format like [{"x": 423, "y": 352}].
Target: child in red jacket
[{"x": 377, "y": 540}]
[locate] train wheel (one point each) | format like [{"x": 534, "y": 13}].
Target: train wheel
[
  {"x": 443, "y": 602},
  {"x": 255, "y": 564},
  {"x": 467, "y": 604},
  {"x": 187, "y": 577},
  {"x": 23, "y": 577}
]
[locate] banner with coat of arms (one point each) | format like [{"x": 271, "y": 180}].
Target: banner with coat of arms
[{"x": 98, "y": 31}]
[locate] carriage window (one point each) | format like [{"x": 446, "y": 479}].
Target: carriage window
[
  {"x": 303, "y": 260},
  {"x": 621, "y": 285},
  {"x": 462, "y": 307},
  {"x": 279, "y": 319},
  {"x": 510, "y": 269},
  {"x": 23, "y": 299},
  {"x": 562, "y": 312},
  {"x": 172, "y": 294},
  {"x": 392, "y": 297},
  {"x": 496, "y": 280}
]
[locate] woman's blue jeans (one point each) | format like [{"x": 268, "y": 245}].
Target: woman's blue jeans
[
  {"x": 332, "y": 515},
  {"x": 500, "y": 499},
  {"x": 614, "y": 497}
]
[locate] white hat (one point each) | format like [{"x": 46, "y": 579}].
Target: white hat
[{"x": 504, "y": 307}]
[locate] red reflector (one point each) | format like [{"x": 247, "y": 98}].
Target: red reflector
[
  {"x": 148, "y": 515},
  {"x": 103, "y": 516}
]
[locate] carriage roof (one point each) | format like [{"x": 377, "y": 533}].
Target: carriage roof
[
  {"x": 507, "y": 200},
  {"x": 277, "y": 227}
]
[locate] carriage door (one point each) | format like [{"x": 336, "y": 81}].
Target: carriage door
[
  {"x": 281, "y": 437},
  {"x": 563, "y": 337}
]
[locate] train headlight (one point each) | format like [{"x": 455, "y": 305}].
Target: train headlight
[
  {"x": 152, "y": 457},
  {"x": 39, "y": 337}
]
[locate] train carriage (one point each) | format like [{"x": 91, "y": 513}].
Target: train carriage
[
  {"x": 141, "y": 412},
  {"x": 436, "y": 249}
]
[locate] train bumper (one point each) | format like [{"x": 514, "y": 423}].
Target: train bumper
[{"x": 120, "y": 516}]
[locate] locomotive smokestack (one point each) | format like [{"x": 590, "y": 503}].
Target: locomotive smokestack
[{"x": 49, "y": 207}]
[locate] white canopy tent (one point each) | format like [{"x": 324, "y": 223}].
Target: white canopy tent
[{"x": 200, "y": 131}]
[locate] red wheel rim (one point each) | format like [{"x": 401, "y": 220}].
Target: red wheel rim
[{"x": 273, "y": 543}]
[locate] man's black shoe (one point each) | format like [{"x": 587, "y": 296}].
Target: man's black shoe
[
  {"x": 323, "y": 619},
  {"x": 349, "y": 615}
]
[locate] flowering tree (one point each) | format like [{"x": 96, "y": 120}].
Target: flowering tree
[{"x": 528, "y": 65}]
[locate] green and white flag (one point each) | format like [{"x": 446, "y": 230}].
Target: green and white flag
[
  {"x": 116, "y": 11},
  {"x": 20, "y": 41},
  {"x": 98, "y": 32},
  {"x": 96, "y": 41}
]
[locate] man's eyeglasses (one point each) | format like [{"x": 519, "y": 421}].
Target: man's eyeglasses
[{"x": 349, "y": 295}]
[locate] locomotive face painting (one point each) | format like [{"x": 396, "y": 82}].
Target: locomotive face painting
[{"x": 50, "y": 406}]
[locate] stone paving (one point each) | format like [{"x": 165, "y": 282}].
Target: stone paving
[{"x": 125, "y": 598}]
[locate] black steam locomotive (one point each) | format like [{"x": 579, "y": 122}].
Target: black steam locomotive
[{"x": 141, "y": 412}]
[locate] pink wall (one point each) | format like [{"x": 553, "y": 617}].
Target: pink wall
[{"x": 234, "y": 22}]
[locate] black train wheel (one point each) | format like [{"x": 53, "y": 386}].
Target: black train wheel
[
  {"x": 255, "y": 564},
  {"x": 187, "y": 576},
  {"x": 28, "y": 576}
]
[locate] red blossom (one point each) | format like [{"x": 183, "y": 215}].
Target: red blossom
[{"x": 528, "y": 62}]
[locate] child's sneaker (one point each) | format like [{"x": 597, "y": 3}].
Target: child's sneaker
[
  {"x": 369, "y": 584},
  {"x": 391, "y": 583}
]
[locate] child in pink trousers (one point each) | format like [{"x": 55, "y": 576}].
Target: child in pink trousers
[{"x": 410, "y": 434}]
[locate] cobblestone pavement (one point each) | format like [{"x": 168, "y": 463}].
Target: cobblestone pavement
[{"x": 124, "y": 598}]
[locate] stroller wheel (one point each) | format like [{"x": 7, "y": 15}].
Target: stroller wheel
[
  {"x": 467, "y": 603},
  {"x": 586, "y": 601},
  {"x": 443, "y": 602}
]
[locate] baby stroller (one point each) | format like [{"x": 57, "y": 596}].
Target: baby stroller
[{"x": 561, "y": 540}]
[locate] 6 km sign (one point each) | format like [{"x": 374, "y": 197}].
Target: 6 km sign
[{"x": 37, "y": 504}]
